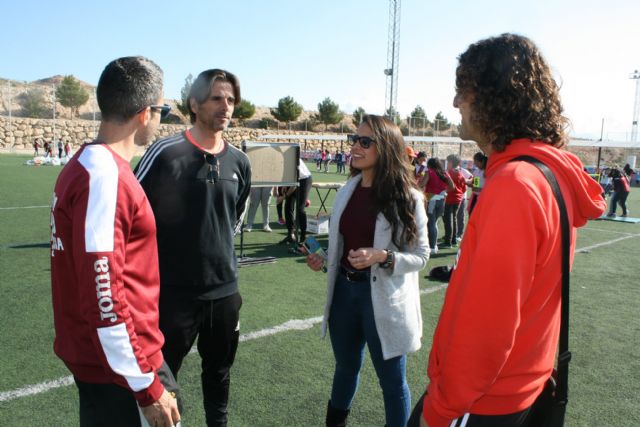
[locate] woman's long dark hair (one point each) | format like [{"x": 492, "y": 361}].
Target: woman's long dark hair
[
  {"x": 482, "y": 159},
  {"x": 393, "y": 179},
  {"x": 435, "y": 165}
]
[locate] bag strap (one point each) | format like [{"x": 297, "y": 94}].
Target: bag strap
[{"x": 564, "y": 355}]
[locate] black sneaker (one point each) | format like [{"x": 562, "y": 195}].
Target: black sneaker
[{"x": 287, "y": 240}]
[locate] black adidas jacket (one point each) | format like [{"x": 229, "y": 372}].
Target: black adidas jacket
[{"x": 195, "y": 218}]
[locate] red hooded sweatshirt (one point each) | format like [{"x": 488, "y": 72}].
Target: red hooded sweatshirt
[{"x": 496, "y": 339}]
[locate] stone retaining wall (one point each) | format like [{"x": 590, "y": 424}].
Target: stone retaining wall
[{"x": 18, "y": 134}]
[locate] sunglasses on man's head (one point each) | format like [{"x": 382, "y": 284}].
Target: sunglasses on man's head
[
  {"x": 214, "y": 173},
  {"x": 165, "y": 109},
  {"x": 364, "y": 141}
]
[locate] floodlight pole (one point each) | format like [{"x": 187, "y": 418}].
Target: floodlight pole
[
  {"x": 54, "y": 113},
  {"x": 95, "y": 98},
  {"x": 636, "y": 110},
  {"x": 393, "y": 57},
  {"x": 8, "y": 97}
]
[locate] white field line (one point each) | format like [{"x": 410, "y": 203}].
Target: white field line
[
  {"x": 607, "y": 231},
  {"x": 295, "y": 324},
  {"x": 24, "y": 207},
  {"x": 610, "y": 242},
  {"x": 35, "y": 389},
  {"x": 289, "y": 325}
]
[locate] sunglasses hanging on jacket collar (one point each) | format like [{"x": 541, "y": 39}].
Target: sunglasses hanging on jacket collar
[{"x": 214, "y": 172}]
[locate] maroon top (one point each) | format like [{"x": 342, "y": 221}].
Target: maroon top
[{"x": 358, "y": 223}]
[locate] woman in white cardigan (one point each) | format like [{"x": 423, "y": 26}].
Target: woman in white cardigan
[{"x": 377, "y": 245}]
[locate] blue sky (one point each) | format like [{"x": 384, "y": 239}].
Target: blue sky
[{"x": 334, "y": 48}]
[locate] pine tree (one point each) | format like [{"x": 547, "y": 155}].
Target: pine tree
[
  {"x": 183, "y": 105},
  {"x": 71, "y": 94},
  {"x": 329, "y": 113},
  {"x": 244, "y": 110},
  {"x": 32, "y": 103},
  {"x": 288, "y": 110},
  {"x": 358, "y": 115}
]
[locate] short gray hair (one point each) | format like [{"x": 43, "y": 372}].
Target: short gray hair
[
  {"x": 126, "y": 86},
  {"x": 454, "y": 159}
]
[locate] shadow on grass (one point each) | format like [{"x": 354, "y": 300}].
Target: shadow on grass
[{"x": 30, "y": 245}]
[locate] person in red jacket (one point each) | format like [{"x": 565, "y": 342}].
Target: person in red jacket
[
  {"x": 495, "y": 342},
  {"x": 104, "y": 261}
]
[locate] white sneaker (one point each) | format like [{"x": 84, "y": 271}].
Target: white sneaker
[
  {"x": 267, "y": 228},
  {"x": 434, "y": 250},
  {"x": 248, "y": 228}
]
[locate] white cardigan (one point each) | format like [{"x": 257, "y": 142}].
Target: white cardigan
[{"x": 395, "y": 293}]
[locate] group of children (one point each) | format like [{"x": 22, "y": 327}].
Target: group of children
[
  {"x": 49, "y": 146},
  {"x": 324, "y": 157},
  {"x": 445, "y": 189}
]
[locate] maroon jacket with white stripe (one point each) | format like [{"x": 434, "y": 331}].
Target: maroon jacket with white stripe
[{"x": 104, "y": 274}]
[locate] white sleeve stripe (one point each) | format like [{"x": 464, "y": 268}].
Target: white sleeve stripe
[
  {"x": 154, "y": 151},
  {"x": 117, "y": 347},
  {"x": 460, "y": 422},
  {"x": 103, "y": 195}
]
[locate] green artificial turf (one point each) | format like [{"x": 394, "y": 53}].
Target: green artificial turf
[{"x": 284, "y": 379}]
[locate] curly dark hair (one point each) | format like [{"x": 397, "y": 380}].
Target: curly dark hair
[
  {"x": 393, "y": 179},
  {"x": 513, "y": 91}
]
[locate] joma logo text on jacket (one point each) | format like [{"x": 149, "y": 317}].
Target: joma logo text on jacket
[{"x": 103, "y": 290}]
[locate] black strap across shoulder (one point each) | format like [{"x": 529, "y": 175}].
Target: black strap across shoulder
[{"x": 564, "y": 355}]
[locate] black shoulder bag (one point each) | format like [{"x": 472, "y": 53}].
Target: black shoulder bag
[{"x": 549, "y": 408}]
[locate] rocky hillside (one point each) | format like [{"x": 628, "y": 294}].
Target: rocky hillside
[{"x": 12, "y": 91}]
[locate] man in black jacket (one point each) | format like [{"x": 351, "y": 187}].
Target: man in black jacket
[{"x": 197, "y": 184}]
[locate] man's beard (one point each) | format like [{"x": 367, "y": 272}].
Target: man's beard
[{"x": 145, "y": 136}]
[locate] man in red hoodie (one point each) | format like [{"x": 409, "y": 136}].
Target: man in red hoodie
[
  {"x": 104, "y": 261},
  {"x": 495, "y": 343}
]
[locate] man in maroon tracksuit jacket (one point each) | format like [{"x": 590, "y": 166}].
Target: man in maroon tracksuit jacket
[{"x": 104, "y": 261}]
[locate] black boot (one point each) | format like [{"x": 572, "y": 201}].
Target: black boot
[{"x": 336, "y": 417}]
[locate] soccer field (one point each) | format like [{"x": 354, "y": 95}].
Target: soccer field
[{"x": 283, "y": 370}]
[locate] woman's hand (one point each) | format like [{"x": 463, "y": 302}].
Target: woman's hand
[
  {"x": 365, "y": 257},
  {"x": 315, "y": 262}
]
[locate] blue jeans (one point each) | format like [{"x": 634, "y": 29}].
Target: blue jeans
[
  {"x": 460, "y": 216},
  {"x": 432, "y": 223},
  {"x": 351, "y": 325}
]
